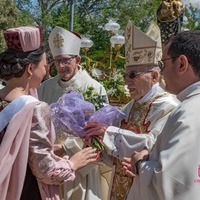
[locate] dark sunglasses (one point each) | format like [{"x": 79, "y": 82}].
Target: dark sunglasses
[
  {"x": 64, "y": 61},
  {"x": 133, "y": 74}
]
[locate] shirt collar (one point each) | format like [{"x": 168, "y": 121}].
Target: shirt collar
[
  {"x": 149, "y": 94},
  {"x": 188, "y": 90}
]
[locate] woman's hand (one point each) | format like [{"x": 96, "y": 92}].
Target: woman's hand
[
  {"x": 95, "y": 128},
  {"x": 83, "y": 157}
]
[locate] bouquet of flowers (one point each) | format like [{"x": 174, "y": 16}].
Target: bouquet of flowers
[{"x": 71, "y": 112}]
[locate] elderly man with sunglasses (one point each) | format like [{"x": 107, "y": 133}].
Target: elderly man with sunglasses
[
  {"x": 146, "y": 113},
  {"x": 65, "y": 47},
  {"x": 172, "y": 170}
]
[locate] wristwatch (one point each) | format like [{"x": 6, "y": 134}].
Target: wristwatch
[{"x": 136, "y": 166}]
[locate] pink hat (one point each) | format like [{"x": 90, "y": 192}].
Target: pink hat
[{"x": 27, "y": 38}]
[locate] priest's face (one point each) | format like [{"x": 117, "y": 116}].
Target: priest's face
[
  {"x": 67, "y": 66},
  {"x": 139, "y": 80}
]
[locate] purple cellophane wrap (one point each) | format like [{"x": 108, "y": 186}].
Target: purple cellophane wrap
[
  {"x": 71, "y": 112},
  {"x": 107, "y": 115}
]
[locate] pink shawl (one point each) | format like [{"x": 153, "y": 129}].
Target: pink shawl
[{"x": 14, "y": 151}]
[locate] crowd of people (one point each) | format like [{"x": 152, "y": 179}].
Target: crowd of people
[{"x": 151, "y": 154}]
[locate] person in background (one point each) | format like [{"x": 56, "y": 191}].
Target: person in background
[
  {"x": 49, "y": 66},
  {"x": 65, "y": 47},
  {"x": 172, "y": 168},
  {"x": 145, "y": 114},
  {"x": 29, "y": 169}
]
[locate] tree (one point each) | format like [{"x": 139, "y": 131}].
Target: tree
[
  {"x": 8, "y": 18},
  {"x": 90, "y": 16},
  {"x": 49, "y": 13},
  {"x": 192, "y": 17},
  {"x": 38, "y": 13}
]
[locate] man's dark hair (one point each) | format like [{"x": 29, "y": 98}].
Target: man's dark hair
[{"x": 186, "y": 43}]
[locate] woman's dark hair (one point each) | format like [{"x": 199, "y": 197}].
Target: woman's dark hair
[{"x": 13, "y": 63}]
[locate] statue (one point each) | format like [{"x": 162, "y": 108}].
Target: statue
[{"x": 170, "y": 18}]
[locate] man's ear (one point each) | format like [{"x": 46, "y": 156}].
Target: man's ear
[
  {"x": 155, "y": 76},
  {"x": 78, "y": 59},
  {"x": 183, "y": 64}
]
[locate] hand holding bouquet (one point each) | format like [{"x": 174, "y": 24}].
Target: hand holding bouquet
[{"x": 71, "y": 113}]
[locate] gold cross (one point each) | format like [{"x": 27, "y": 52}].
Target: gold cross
[{"x": 58, "y": 40}]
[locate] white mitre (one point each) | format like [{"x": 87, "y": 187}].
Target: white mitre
[
  {"x": 142, "y": 48},
  {"x": 62, "y": 41}
]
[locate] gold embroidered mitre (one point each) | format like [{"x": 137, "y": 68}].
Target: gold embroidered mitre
[{"x": 142, "y": 48}]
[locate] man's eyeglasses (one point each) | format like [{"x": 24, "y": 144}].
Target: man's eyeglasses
[
  {"x": 161, "y": 63},
  {"x": 133, "y": 74},
  {"x": 64, "y": 61}
]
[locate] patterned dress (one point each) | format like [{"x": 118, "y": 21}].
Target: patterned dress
[
  {"x": 31, "y": 117},
  {"x": 137, "y": 123}
]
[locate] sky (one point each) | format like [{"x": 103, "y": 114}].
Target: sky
[{"x": 194, "y": 2}]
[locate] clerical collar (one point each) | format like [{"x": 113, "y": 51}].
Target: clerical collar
[
  {"x": 184, "y": 93},
  {"x": 149, "y": 94}
]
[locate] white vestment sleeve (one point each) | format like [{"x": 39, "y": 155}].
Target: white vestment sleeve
[{"x": 122, "y": 143}]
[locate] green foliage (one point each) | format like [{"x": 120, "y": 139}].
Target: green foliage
[
  {"x": 38, "y": 12},
  {"x": 97, "y": 143},
  {"x": 24, "y": 19},
  {"x": 114, "y": 85},
  {"x": 90, "y": 18},
  {"x": 192, "y": 15},
  {"x": 60, "y": 17},
  {"x": 93, "y": 97},
  {"x": 8, "y": 17}
]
